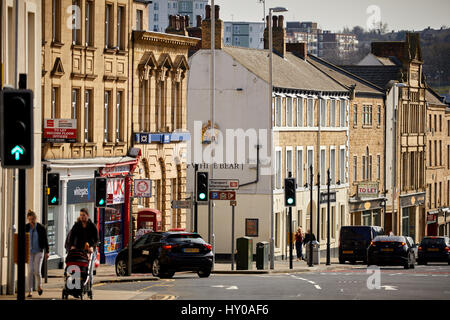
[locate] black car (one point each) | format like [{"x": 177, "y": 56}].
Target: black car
[
  {"x": 392, "y": 251},
  {"x": 434, "y": 249},
  {"x": 164, "y": 253},
  {"x": 354, "y": 241}
]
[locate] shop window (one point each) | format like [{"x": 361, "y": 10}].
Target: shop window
[{"x": 113, "y": 229}]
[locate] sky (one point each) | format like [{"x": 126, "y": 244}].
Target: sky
[{"x": 334, "y": 15}]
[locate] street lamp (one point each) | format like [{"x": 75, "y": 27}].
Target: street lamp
[
  {"x": 394, "y": 153},
  {"x": 269, "y": 26}
]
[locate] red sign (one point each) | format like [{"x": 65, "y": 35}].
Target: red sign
[
  {"x": 431, "y": 218},
  {"x": 60, "y": 130}
]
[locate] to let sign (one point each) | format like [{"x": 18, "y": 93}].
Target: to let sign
[
  {"x": 222, "y": 195},
  {"x": 368, "y": 189},
  {"x": 60, "y": 130}
]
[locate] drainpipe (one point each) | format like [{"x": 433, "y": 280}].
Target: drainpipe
[{"x": 257, "y": 168}]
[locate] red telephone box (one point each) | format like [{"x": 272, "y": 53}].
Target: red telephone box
[{"x": 149, "y": 219}]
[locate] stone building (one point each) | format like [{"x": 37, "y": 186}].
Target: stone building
[
  {"x": 302, "y": 137},
  {"x": 28, "y": 61},
  {"x": 367, "y": 195},
  {"x": 437, "y": 165},
  {"x": 402, "y": 78}
]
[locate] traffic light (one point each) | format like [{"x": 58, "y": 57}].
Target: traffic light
[
  {"x": 289, "y": 192},
  {"x": 202, "y": 186},
  {"x": 53, "y": 189},
  {"x": 100, "y": 192},
  {"x": 16, "y": 126}
]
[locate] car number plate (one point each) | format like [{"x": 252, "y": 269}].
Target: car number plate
[
  {"x": 387, "y": 249},
  {"x": 433, "y": 249},
  {"x": 192, "y": 250},
  {"x": 347, "y": 252}
]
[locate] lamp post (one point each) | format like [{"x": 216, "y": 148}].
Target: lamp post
[
  {"x": 269, "y": 26},
  {"x": 394, "y": 152}
]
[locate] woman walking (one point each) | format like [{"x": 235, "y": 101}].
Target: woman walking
[
  {"x": 38, "y": 250},
  {"x": 298, "y": 243}
]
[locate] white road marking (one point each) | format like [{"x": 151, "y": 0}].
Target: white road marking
[
  {"x": 318, "y": 287},
  {"x": 226, "y": 287},
  {"x": 309, "y": 281},
  {"x": 232, "y": 288},
  {"x": 390, "y": 288}
]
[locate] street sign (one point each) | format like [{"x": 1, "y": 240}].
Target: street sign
[
  {"x": 222, "y": 195},
  {"x": 324, "y": 197},
  {"x": 181, "y": 204},
  {"x": 233, "y": 203},
  {"x": 142, "y": 188},
  {"x": 224, "y": 184}
]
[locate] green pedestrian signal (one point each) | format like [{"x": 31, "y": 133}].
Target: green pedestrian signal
[
  {"x": 54, "y": 200},
  {"x": 101, "y": 202},
  {"x": 202, "y": 196},
  {"x": 53, "y": 189}
]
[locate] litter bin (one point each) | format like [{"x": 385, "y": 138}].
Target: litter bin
[
  {"x": 244, "y": 259},
  {"x": 316, "y": 252},
  {"x": 262, "y": 255}
]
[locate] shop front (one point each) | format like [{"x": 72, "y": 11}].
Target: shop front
[
  {"x": 411, "y": 208},
  {"x": 432, "y": 223},
  {"x": 367, "y": 207}
]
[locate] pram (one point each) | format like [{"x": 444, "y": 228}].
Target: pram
[{"x": 78, "y": 277}]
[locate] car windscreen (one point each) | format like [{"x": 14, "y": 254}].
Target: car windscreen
[
  {"x": 354, "y": 233},
  {"x": 185, "y": 237},
  {"x": 431, "y": 241},
  {"x": 390, "y": 239}
]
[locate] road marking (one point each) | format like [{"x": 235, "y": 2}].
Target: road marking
[
  {"x": 318, "y": 287},
  {"x": 232, "y": 288},
  {"x": 226, "y": 287},
  {"x": 390, "y": 288},
  {"x": 98, "y": 285},
  {"x": 309, "y": 281}
]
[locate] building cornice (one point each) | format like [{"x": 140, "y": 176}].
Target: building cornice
[{"x": 165, "y": 38}]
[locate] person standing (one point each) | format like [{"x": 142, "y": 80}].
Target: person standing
[
  {"x": 38, "y": 250},
  {"x": 299, "y": 243}
]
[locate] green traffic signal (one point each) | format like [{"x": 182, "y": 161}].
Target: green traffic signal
[
  {"x": 290, "y": 201},
  {"x": 54, "y": 200},
  {"x": 17, "y": 151},
  {"x": 202, "y": 196},
  {"x": 101, "y": 202}
]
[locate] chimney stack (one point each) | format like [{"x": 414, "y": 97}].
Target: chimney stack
[
  {"x": 278, "y": 35},
  {"x": 206, "y": 29},
  {"x": 300, "y": 49},
  {"x": 177, "y": 25}
]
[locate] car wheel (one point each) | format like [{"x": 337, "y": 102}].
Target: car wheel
[
  {"x": 156, "y": 268},
  {"x": 121, "y": 268},
  {"x": 204, "y": 273}
]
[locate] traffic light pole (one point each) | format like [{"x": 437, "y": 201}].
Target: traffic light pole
[
  {"x": 45, "y": 214},
  {"x": 290, "y": 232},
  {"x": 21, "y": 238},
  {"x": 195, "y": 201},
  {"x": 328, "y": 218}
]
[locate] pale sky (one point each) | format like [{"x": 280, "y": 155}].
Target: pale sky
[{"x": 334, "y": 15}]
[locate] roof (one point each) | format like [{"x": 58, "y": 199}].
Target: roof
[
  {"x": 289, "y": 72},
  {"x": 378, "y": 75},
  {"x": 389, "y": 238},
  {"x": 433, "y": 98},
  {"x": 344, "y": 77}
]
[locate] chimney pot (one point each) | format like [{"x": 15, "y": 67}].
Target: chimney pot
[
  {"x": 280, "y": 21},
  {"x": 199, "y": 21},
  {"x": 274, "y": 21},
  {"x": 208, "y": 12},
  {"x": 216, "y": 12},
  {"x": 187, "y": 21}
]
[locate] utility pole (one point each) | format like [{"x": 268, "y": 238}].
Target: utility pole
[
  {"x": 328, "y": 218},
  {"x": 310, "y": 256}
]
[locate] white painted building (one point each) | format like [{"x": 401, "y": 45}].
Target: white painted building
[{"x": 160, "y": 10}]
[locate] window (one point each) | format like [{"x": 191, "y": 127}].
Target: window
[
  {"x": 109, "y": 27},
  {"x": 176, "y": 110},
  {"x": 310, "y": 163},
  {"x": 155, "y": 17},
  {"x": 89, "y": 23},
  {"x": 76, "y": 22},
  {"x": 289, "y": 162},
  {"x": 156, "y": 6},
  {"x": 300, "y": 167},
  {"x": 378, "y": 167},
  {"x": 300, "y": 112},
  {"x": 56, "y": 20},
  {"x": 333, "y": 113},
  {"x": 369, "y": 169},
  {"x": 289, "y": 112},
  {"x": 379, "y": 115},
  {"x": 367, "y": 115},
  {"x": 355, "y": 168},
  {"x": 88, "y": 110},
  {"x": 55, "y": 113},
  {"x": 342, "y": 115},
  {"x": 333, "y": 166},
  {"x": 333, "y": 222},
  {"x": 278, "y": 169},
  {"x": 440, "y": 152},
  {"x": 355, "y": 114},
  {"x": 75, "y": 103},
  {"x": 278, "y": 112},
  {"x": 139, "y": 20},
  {"x": 323, "y": 113},
  {"x": 119, "y": 116},
  {"x": 121, "y": 27},
  {"x": 364, "y": 166},
  {"x": 323, "y": 173},
  {"x": 342, "y": 166},
  {"x": 107, "y": 117},
  {"x": 160, "y": 106},
  {"x": 310, "y": 113}
]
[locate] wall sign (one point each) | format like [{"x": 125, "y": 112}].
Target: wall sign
[
  {"x": 116, "y": 191},
  {"x": 251, "y": 227},
  {"x": 60, "y": 130},
  {"x": 80, "y": 191}
]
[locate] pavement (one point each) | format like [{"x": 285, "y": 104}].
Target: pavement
[{"x": 105, "y": 274}]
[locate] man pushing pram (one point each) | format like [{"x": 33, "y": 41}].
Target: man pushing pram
[{"x": 81, "y": 242}]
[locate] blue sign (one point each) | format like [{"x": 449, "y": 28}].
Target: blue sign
[
  {"x": 147, "y": 138},
  {"x": 80, "y": 191},
  {"x": 214, "y": 195}
]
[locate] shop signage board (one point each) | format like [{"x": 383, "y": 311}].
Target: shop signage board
[
  {"x": 60, "y": 130},
  {"x": 324, "y": 197},
  {"x": 116, "y": 190},
  {"x": 80, "y": 191},
  {"x": 224, "y": 184},
  {"x": 368, "y": 189},
  {"x": 181, "y": 204},
  {"x": 142, "y": 188},
  {"x": 222, "y": 195}
]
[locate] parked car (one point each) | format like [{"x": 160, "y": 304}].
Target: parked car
[
  {"x": 354, "y": 241},
  {"x": 164, "y": 253},
  {"x": 392, "y": 251},
  {"x": 434, "y": 249}
]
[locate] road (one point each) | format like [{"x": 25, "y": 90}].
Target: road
[{"x": 424, "y": 282}]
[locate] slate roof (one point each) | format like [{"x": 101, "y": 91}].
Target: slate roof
[
  {"x": 289, "y": 72},
  {"x": 378, "y": 75},
  {"x": 344, "y": 77},
  {"x": 433, "y": 98}
]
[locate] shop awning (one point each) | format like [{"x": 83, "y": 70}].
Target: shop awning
[{"x": 89, "y": 162}]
